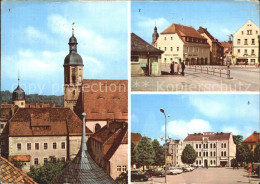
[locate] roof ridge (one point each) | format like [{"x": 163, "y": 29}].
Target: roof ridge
[{"x": 18, "y": 170}]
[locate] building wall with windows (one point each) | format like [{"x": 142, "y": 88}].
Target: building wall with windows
[
  {"x": 213, "y": 149},
  {"x": 185, "y": 43},
  {"x": 246, "y": 45},
  {"x": 174, "y": 152}
]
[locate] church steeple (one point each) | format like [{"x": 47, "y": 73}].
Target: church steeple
[
  {"x": 155, "y": 35},
  {"x": 19, "y": 95},
  {"x": 73, "y": 42}
]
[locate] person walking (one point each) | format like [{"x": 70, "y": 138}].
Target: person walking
[
  {"x": 172, "y": 68},
  {"x": 182, "y": 68}
]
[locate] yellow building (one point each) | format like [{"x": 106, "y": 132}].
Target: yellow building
[
  {"x": 246, "y": 45},
  {"x": 185, "y": 43}
]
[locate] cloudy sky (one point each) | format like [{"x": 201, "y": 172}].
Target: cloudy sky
[
  {"x": 195, "y": 114},
  {"x": 35, "y": 35},
  {"x": 219, "y": 17}
]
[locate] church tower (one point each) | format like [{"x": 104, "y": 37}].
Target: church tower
[
  {"x": 19, "y": 96},
  {"x": 155, "y": 36},
  {"x": 73, "y": 74}
]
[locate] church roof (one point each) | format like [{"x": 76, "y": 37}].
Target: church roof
[
  {"x": 83, "y": 169},
  {"x": 139, "y": 45},
  {"x": 46, "y": 122},
  {"x": 105, "y": 99},
  {"x": 18, "y": 93},
  {"x": 11, "y": 174},
  {"x": 73, "y": 58}
]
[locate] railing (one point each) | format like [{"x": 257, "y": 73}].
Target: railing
[{"x": 211, "y": 70}]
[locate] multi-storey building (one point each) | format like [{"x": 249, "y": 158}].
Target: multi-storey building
[
  {"x": 175, "y": 151},
  {"x": 185, "y": 43},
  {"x": 216, "y": 49},
  {"x": 109, "y": 147},
  {"x": 213, "y": 149},
  {"x": 246, "y": 45},
  {"x": 252, "y": 140},
  {"x": 227, "y": 51},
  {"x": 35, "y": 134}
]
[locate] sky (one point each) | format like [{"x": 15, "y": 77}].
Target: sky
[
  {"x": 236, "y": 113},
  {"x": 221, "y": 18},
  {"x": 35, "y": 36}
]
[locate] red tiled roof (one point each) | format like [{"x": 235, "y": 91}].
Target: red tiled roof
[
  {"x": 253, "y": 138},
  {"x": 122, "y": 138},
  {"x": 212, "y": 137},
  {"x": 135, "y": 138},
  {"x": 108, "y": 133},
  {"x": 204, "y": 30},
  {"x": 139, "y": 45},
  {"x": 182, "y": 30},
  {"x": 46, "y": 122},
  {"x": 7, "y": 110},
  {"x": 22, "y": 158},
  {"x": 226, "y": 44},
  {"x": 105, "y": 99},
  {"x": 11, "y": 174}
]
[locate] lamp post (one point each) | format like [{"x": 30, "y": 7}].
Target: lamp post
[{"x": 166, "y": 116}]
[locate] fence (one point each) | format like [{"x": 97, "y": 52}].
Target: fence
[{"x": 211, "y": 70}]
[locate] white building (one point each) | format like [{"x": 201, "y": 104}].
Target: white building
[
  {"x": 185, "y": 43},
  {"x": 213, "y": 149},
  {"x": 246, "y": 45},
  {"x": 175, "y": 151}
]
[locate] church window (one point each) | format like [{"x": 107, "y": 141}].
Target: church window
[{"x": 73, "y": 75}]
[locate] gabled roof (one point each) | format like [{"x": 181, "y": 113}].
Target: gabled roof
[
  {"x": 45, "y": 122},
  {"x": 122, "y": 138},
  {"x": 83, "y": 169},
  {"x": 108, "y": 133},
  {"x": 105, "y": 99},
  {"x": 135, "y": 138},
  {"x": 11, "y": 174},
  {"x": 138, "y": 45},
  {"x": 253, "y": 138},
  {"x": 182, "y": 30},
  {"x": 204, "y": 30},
  {"x": 212, "y": 137}
]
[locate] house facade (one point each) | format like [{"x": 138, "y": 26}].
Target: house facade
[
  {"x": 109, "y": 148},
  {"x": 213, "y": 149},
  {"x": 185, "y": 43},
  {"x": 45, "y": 132},
  {"x": 246, "y": 44},
  {"x": 252, "y": 140},
  {"x": 174, "y": 152},
  {"x": 216, "y": 49}
]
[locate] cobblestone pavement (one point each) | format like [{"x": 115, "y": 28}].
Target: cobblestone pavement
[
  {"x": 242, "y": 79},
  {"x": 207, "y": 176}
]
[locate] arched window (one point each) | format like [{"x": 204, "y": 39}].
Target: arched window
[{"x": 97, "y": 127}]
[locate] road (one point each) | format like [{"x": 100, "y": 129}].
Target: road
[
  {"x": 242, "y": 80},
  {"x": 211, "y": 175}
]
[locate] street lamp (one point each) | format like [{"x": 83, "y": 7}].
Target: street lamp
[{"x": 166, "y": 116}]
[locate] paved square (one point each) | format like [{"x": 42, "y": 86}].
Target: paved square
[
  {"x": 242, "y": 79},
  {"x": 209, "y": 176}
]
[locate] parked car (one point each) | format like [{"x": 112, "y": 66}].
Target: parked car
[
  {"x": 138, "y": 176},
  {"x": 174, "y": 170},
  {"x": 155, "y": 172},
  {"x": 187, "y": 169}
]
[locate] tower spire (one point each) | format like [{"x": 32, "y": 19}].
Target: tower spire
[
  {"x": 83, "y": 139},
  {"x": 18, "y": 78},
  {"x": 73, "y": 28}
]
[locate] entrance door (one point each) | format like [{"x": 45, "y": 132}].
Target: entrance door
[
  {"x": 154, "y": 65},
  {"x": 223, "y": 163},
  {"x": 205, "y": 163}
]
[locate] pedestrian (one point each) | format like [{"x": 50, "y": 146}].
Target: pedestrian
[
  {"x": 182, "y": 68},
  {"x": 172, "y": 68}
]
